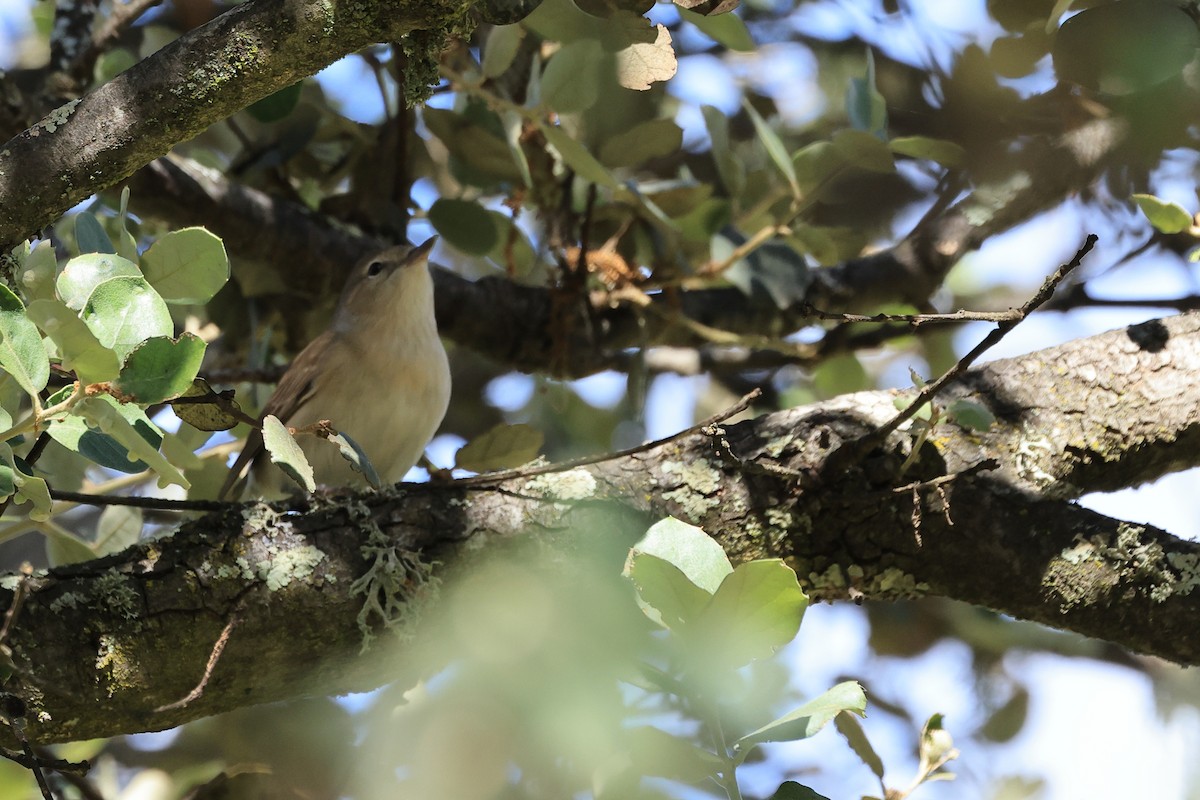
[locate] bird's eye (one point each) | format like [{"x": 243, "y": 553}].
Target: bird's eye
[{"x": 374, "y": 269}]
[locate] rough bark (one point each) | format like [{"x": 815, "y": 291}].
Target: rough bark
[{"x": 101, "y": 645}]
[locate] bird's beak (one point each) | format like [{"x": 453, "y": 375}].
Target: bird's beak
[{"x": 421, "y": 251}]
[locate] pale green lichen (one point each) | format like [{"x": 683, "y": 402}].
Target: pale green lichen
[
  {"x": 396, "y": 585},
  {"x": 295, "y": 564},
  {"x": 66, "y": 601},
  {"x": 699, "y": 485},
  {"x": 117, "y": 595},
  {"x": 775, "y": 447},
  {"x": 573, "y": 484},
  {"x": 55, "y": 119}
]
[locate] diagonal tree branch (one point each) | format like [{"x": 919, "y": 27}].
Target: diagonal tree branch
[{"x": 100, "y": 646}]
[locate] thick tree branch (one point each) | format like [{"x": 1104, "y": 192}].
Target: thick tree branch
[
  {"x": 102, "y": 645},
  {"x": 201, "y": 78}
]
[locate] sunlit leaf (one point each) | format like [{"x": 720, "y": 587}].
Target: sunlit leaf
[
  {"x": 642, "y": 64},
  {"x": 501, "y": 47},
  {"x": 774, "y": 146},
  {"x": 756, "y": 610},
  {"x": 123, "y": 312},
  {"x": 687, "y": 547},
  {"x": 571, "y": 80},
  {"x": 186, "y": 266},
  {"x": 161, "y": 368},
  {"x": 1165, "y": 216},
  {"x": 810, "y": 718},
  {"x": 21, "y": 352},
  {"x": 84, "y": 273},
  {"x": 665, "y": 594},
  {"x": 78, "y": 347},
  {"x": 286, "y": 453}
]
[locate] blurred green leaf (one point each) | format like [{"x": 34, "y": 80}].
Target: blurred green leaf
[
  {"x": 8, "y": 470},
  {"x": 500, "y": 447},
  {"x": 774, "y": 146},
  {"x": 286, "y": 453},
  {"x": 571, "y": 80},
  {"x": 775, "y": 268},
  {"x": 278, "y": 105},
  {"x": 126, "y": 245},
  {"x": 161, "y": 368},
  {"x": 727, "y": 29},
  {"x": 465, "y": 225},
  {"x": 123, "y": 312},
  {"x": 83, "y": 274},
  {"x": 970, "y": 414},
  {"x": 864, "y": 151},
  {"x": 1166, "y": 217},
  {"x": 658, "y": 753},
  {"x": 946, "y": 153},
  {"x": 78, "y": 347},
  {"x": 651, "y": 139},
  {"x": 729, "y": 166},
  {"x": 810, "y": 718},
  {"x": 90, "y": 236},
  {"x": 501, "y": 48},
  {"x": 118, "y": 527},
  {"x": 22, "y": 354},
  {"x": 186, "y": 266},
  {"x": 65, "y": 548},
  {"x": 36, "y": 270},
  {"x": 865, "y": 106},
  {"x": 851, "y": 730},
  {"x": 576, "y": 156},
  {"x": 790, "y": 790}
]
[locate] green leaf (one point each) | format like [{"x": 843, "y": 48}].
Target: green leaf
[
  {"x": 571, "y": 80},
  {"x": 161, "y": 368},
  {"x": 126, "y": 244},
  {"x": 78, "y": 347},
  {"x": 74, "y": 433},
  {"x": 774, "y": 146},
  {"x": 756, "y": 610},
  {"x": 119, "y": 527},
  {"x": 90, "y": 236},
  {"x": 865, "y": 106},
  {"x": 729, "y": 166},
  {"x": 8, "y": 470},
  {"x": 864, "y": 151},
  {"x": 187, "y": 266},
  {"x": 22, "y": 354},
  {"x": 808, "y": 719},
  {"x": 656, "y": 752},
  {"x": 971, "y": 414},
  {"x": 63, "y": 548},
  {"x": 664, "y": 593},
  {"x": 124, "y": 312},
  {"x": 727, "y": 29},
  {"x": 946, "y": 153},
  {"x": 83, "y": 274},
  {"x": 576, "y": 156},
  {"x": 775, "y": 268},
  {"x": 790, "y": 790},
  {"x": 210, "y": 416},
  {"x": 1164, "y": 216},
  {"x": 851, "y": 730},
  {"x": 36, "y": 270},
  {"x": 353, "y": 452},
  {"x": 500, "y": 447},
  {"x": 113, "y": 419},
  {"x": 463, "y": 224},
  {"x": 815, "y": 165},
  {"x": 500, "y": 49},
  {"x": 689, "y": 548},
  {"x": 275, "y": 107},
  {"x": 651, "y": 139},
  {"x": 286, "y": 452},
  {"x": 36, "y": 492}
]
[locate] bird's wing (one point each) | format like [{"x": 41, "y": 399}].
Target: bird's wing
[{"x": 293, "y": 390}]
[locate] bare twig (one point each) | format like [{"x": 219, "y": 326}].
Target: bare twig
[
  {"x": 510, "y": 474},
  {"x": 213, "y": 658},
  {"x": 137, "y": 502},
  {"x": 860, "y": 447}
]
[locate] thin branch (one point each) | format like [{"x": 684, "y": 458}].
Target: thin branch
[
  {"x": 510, "y": 474},
  {"x": 137, "y": 502},
  {"x": 213, "y": 658},
  {"x": 864, "y": 445}
]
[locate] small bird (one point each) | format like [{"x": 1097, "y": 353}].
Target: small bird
[{"x": 379, "y": 374}]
